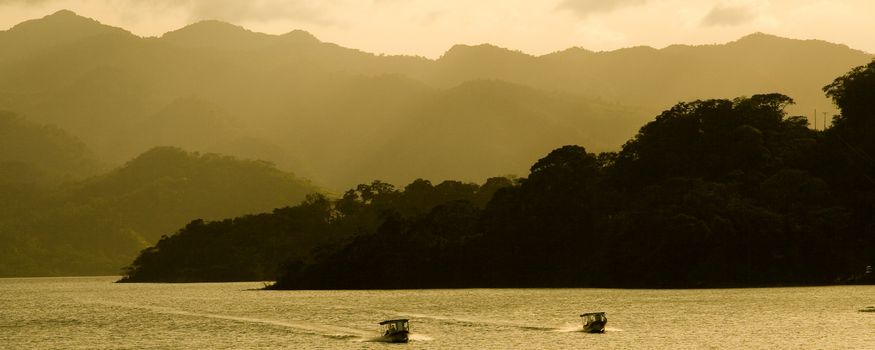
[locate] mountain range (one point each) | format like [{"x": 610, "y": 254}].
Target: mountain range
[
  {"x": 340, "y": 116},
  {"x": 98, "y": 224}
]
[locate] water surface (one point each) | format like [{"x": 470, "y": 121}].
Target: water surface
[{"x": 93, "y": 312}]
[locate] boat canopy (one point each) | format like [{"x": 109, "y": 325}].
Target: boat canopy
[
  {"x": 400, "y": 320},
  {"x": 594, "y": 316},
  {"x": 391, "y": 326}
]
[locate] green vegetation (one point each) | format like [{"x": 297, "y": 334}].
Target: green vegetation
[
  {"x": 257, "y": 247},
  {"x": 340, "y": 116},
  {"x": 241, "y": 249},
  {"x": 33, "y": 154},
  {"x": 711, "y": 193},
  {"x": 97, "y": 225},
  {"x": 698, "y": 198}
]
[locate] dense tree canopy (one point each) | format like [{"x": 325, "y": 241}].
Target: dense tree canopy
[
  {"x": 848, "y": 163},
  {"x": 710, "y": 193},
  {"x": 256, "y": 247},
  {"x": 97, "y": 225}
]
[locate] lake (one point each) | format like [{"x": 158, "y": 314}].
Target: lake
[{"x": 93, "y": 312}]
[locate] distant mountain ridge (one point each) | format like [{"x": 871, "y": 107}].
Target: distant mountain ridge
[
  {"x": 60, "y": 28},
  {"x": 97, "y": 225},
  {"x": 35, "y": 154},
  {"x": 217, "y": 34},
  {"x": 333, "y": 110}
]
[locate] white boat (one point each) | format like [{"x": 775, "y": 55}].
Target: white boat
[
  {"x": 395, "y": 331},
  {"x": 594, "y": 322}
]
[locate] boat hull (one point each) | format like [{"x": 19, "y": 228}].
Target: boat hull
[
  {"x": 594, "y": 327},
  {"x": 397, "y": 337}
]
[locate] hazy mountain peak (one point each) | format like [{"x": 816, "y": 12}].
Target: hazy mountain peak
[
  {"x": 218, "y": 34},
  {"x": 576, "y": 50},
  {"x": 159, "y": 152},
  {"x": 760, "y": 36},
  {"x": 461, "y": 51},
  {"x": 570, "y": 54},
  {"x": 769, "y": 41},
  {"x": 300, "y": 36},
  {"x": 60, "y": 28},
  {"x": 56, "y": 155},
  {"x": 64, "y": 23},
  {"x": 640, "y": 49},
  {"x": 210, "y": 26},
  {"x": 763, "y": 35},
  {"x": 64, "y": 13},
  {"x": 206, "y": 28}
]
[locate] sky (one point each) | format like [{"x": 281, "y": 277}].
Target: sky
[{"x": 430, "y": 27}]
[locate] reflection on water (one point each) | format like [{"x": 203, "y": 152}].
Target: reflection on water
[{"x": 95, "y": 313}]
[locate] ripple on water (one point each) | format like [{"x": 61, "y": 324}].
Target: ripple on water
[{"x": 95, "y": 313}]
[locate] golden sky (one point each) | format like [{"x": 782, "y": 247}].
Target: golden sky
[{"x": 430, "y": 27}]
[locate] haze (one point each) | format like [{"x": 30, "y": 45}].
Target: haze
[
  {"x": 430, "y": 27},
  {"x": 228, "y": 141}
]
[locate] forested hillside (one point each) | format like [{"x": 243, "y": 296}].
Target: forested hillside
[
  {"x": 85, "y": 97},
  {"x": 97, "y": 225},
  {"x": 34, "y": 154},
  {"x": 711, "y": 193},
  {"x": 331, "y": 112}
]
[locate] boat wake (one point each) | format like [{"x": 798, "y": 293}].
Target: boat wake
[
  {"x": 412, "y": 337},
  {"x": 569, "y": 327},
  {"x": 470, "y": 321},
  {"x": 372, "y": 340},
  {"x": 575, "y": 327},
  {"x": 419, "y": 337},
  {"x": 328, "y": 331}
]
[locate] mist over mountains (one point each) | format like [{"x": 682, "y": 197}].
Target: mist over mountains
[
  {"x": 341, "y": 116},
  {"x": 109, "y": 141},
  {"x": 97, "y": 225},
  {"x": 40, "y": 155}
]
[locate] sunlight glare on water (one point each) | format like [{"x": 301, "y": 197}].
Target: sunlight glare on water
[{"x": 93, "y": 312}]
